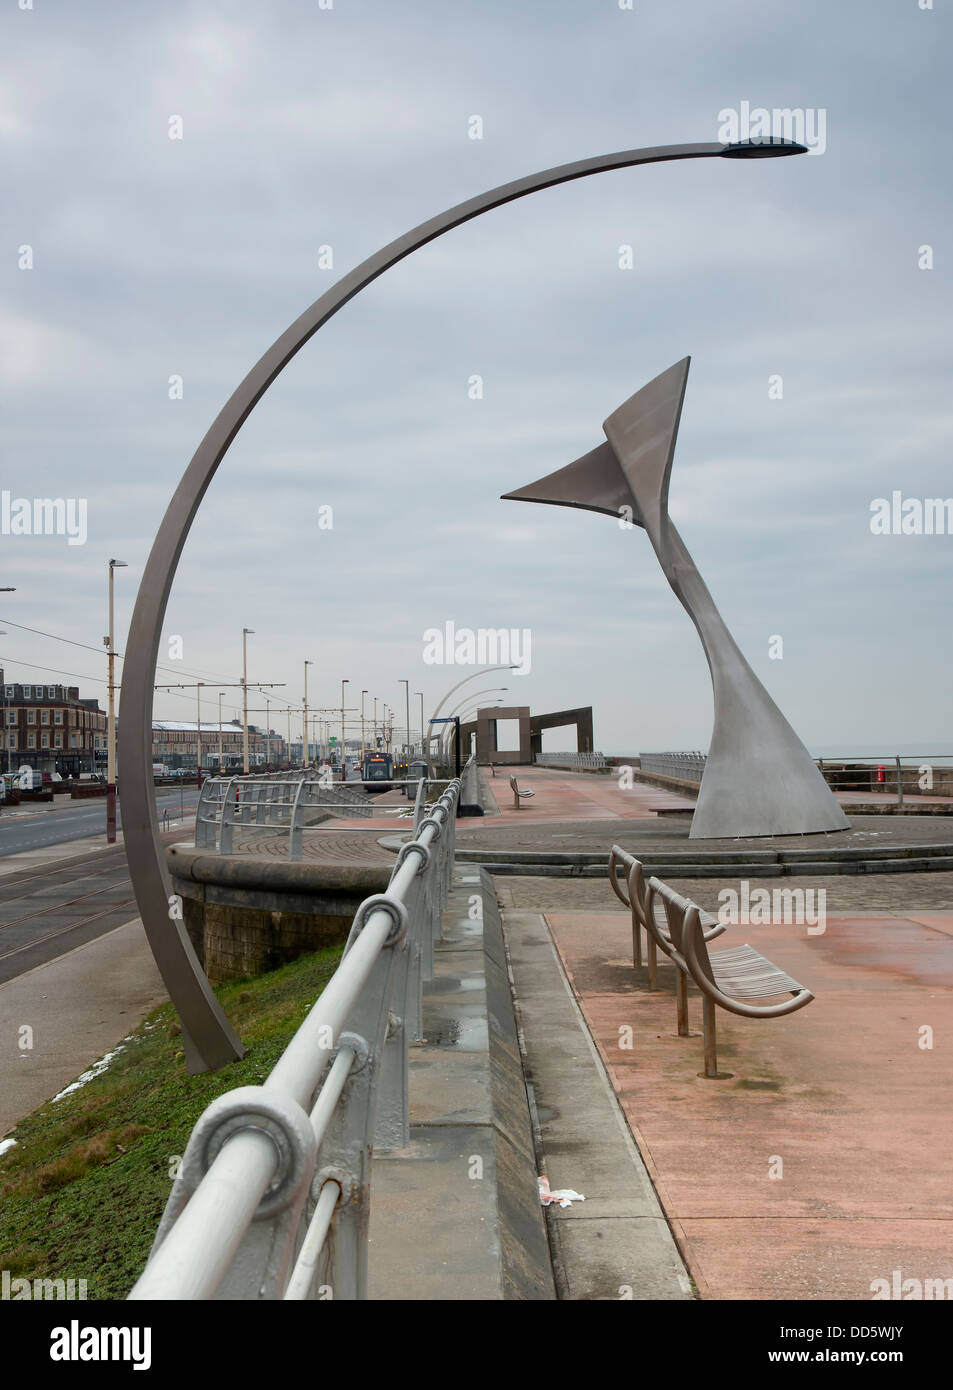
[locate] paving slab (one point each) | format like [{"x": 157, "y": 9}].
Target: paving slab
[
  {"x": 824, "y": 1160},
  {"x": 616, "y": 1244}
]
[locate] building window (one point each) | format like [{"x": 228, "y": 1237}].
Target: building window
[
  {"x": 44, "y": 740},
  {"x": 11, "y": 718},
  {"x": 58, "y": 716},
  {"x": 31, "y": 717},
  {"x": 9, "y": 692},
  {"x": 58, "y": 740},
  {"x": 72, "y": 740},
  {"x": 44, "y": 716},
  {"x": 31, "y": 740},
  {"x": 11, "y": 740}
]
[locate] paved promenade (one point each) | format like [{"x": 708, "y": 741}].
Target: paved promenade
[{"x": 821, "y": 1164}]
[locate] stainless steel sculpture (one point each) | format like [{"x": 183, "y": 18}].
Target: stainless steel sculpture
[
  {"x": 759, "y": 778},
  {"x": 209, "y": 1041}
]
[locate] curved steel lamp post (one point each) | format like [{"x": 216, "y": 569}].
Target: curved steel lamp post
[{"x": 208, "y": 1038}]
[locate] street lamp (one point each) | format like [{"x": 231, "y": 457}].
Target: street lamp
[
  {"x": 406, "y": 685},
  {"x": 220, "y": 733},
  {"x": 245, "y": 634},
  {"x": 421, "y": 694},
  {"x": 6, "y": 734},
  {"x": 304, "y": 722},
  {"x": 111, "y": 716},
  {"x": 468, "y": 700},
  {"x": 363, "y": 693},
  {"x": 208, "y": 1037},
  {"x": 343, "y": 753}
]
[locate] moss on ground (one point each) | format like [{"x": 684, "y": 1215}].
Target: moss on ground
[{"x": 82, "y": 1192}]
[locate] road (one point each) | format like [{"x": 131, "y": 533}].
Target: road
[{"x": 77, "y": 819}]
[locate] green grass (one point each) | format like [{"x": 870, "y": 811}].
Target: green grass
[{"x": 82, "y": 1192}]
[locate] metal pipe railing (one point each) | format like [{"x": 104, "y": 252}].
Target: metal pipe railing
[{"x": 271, "y": 1171}]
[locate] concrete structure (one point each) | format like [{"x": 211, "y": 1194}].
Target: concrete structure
[
  {"x": 486, "y": 732},
  {"x": 759, "y": 777}
]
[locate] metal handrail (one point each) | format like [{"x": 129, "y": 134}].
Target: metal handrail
[{"x": 271, "y": 1172}]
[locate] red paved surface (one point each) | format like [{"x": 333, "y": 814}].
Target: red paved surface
[
  {"x": 859, "y": 1113},
  {"x": 571, "y": 796}
]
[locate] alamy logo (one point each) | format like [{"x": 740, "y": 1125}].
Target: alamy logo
[
  {"x": 28, "y": 1289},
  {"x": 786, "y": 906},
  {"x": 485, "y": 646},
  {"x": 75, "y": 1343},
  {"x": 808, "y": 126},
  {"x": 911, "y": 516},
  {"x": 911, "y": 1290},
  {"x": 43, "y": 516}
]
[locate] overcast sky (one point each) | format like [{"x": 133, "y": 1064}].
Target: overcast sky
[{"x": 305, "y": 127}]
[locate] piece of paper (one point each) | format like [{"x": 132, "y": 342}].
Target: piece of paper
[{"x": 562, "y": 1197}]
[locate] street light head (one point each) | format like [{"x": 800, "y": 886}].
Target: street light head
[
  {"x": 118, "y": 565},
  {"x": 767, "y": 148}
]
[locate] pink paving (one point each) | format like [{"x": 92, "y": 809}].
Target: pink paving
[
  {"x": 843, "y": 1092},
  {"x": 567, "y": 796}
]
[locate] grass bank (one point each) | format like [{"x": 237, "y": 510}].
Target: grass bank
[{"x": 82, "y": 1192}]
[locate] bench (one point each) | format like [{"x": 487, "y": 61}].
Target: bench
[
  {"x": 642, "y": 904},
  {"x": 729, "y": 978},
  {"x": 517, "y": 793}
]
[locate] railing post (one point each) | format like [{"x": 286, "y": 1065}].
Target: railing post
[
  {"x": 228, "y": 818},
  {"x": 345, "y": 1154},
  {"x": 899, "y": 782}
]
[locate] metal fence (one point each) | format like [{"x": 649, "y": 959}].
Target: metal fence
[
  {"x": 272, "y": 1197},
  {"x": 282, "y": 802},
  {"x": 687, "y": 767},
  {"x": 571, "y": 759}
]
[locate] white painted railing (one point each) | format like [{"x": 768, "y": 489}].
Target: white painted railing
[{"x": 272, "y": 1197}]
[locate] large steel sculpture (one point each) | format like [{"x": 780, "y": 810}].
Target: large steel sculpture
[
  {"x": 759, "y": 779},
  {"x": 208, "y": 1038}
]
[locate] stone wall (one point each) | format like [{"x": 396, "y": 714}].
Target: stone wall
[{"x": 246, "y": 916}]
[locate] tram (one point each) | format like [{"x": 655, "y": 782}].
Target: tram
[{"x": 378, "y": 772}]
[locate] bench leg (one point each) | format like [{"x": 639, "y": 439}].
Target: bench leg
[
  {"x": 653, "y": 961},
  {"x": 681, "y": 1001},
  {"x": 711, "y": 1053},
  {"x": 636, "y": 943}
]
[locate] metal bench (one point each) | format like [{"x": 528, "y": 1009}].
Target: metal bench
[
  {"x": 682, "y": 930},
  {"x": 642, "y": 903},
  {"x": 728, "y": 978},
  {"x": 517, "y": 793}
]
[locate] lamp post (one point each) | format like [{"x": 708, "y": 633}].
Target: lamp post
[
  {"x": 343, "y": 752},
  {"x": 245, "y": 633},
  {"x": 485, "y": 672},
  {"x": 304, "y": 722},
  {"x": 111, "y": 716},
  {"x": 467, "y": 701},
  {"x": 406, "y": 685},
  {"x": 6, "y": 734},
  {"x": 363, "y": 693},
  {"x": 198, "y": 733},
  {"x": 208, "y": 1038},
  {"x": 375, "y": 723},
  {"x": 220, "y": 733},
  {"x": 421, "y": 694}
]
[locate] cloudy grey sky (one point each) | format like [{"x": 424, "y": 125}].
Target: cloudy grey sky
[{"x": 306, "y": 127}]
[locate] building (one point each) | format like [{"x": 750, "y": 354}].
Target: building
[
  {"x": 48, "y": 727},
  {"x": 174, "y": 744}
]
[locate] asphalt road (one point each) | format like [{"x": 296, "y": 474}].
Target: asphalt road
[{"x": 77, "y": 819}]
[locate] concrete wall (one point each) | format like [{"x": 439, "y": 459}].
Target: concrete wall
[{"x": 246, "y": 916}]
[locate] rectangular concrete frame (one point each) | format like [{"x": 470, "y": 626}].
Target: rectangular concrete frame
[{"x": 486, "y": 735}]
